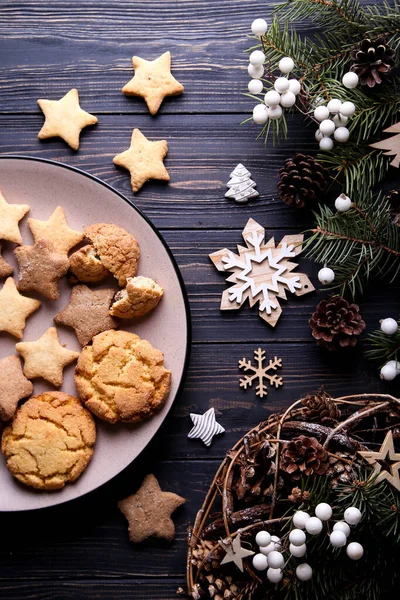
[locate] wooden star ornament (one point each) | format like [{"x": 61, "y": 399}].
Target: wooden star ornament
[
  {"x": 153, "y": 81},
  {"x": 65, "y": 118},
  {"x": 144, "y": 160},
  {"x": 385, "y": 457},
  {"x": 234, "y": 552},
  {"x": 149, "y": 511}
]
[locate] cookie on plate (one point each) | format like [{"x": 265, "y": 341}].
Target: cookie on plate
[
  {"x": 140, "y": 295},
  {"x": 50, "y": 441},
  {"x": 86, "y": 266},
  {"x": 40, "y": 268},
  {"x": 121, "y": 377},
  {"x": 57, "y": 230},
  {"x": 13, "y": 386},
  {"x": 5, "y": 268},
  {"x": 10, "y": 216},
  {"x": 117, "y": 249},
  {"x": 15, "y": 309}
]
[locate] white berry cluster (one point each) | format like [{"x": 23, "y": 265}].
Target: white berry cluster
[
  {"x": 333, "y": 119},
  {"x": 272, "y": 550},
  {"x": 391, "y": 369}
]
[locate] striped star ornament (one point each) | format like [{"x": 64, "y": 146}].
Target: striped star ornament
[{"x": 205, "y": 427}]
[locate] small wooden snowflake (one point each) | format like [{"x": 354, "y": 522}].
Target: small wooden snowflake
[{"x": 260, "y": 373}]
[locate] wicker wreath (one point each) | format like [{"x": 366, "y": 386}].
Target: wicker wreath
[{"x": 294, "y": 461}]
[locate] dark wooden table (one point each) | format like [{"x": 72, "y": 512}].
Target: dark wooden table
[{"x": 81, "y": 550}]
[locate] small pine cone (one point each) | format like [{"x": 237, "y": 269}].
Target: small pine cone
[
  {"x": 371, "y": 60},
  {"x": 296, "y": 496},
  {"x": 394, "y": 204},
  {"x": 340, "y": 468},
  {"x": 336, "y": 324},
  {"x": 221, "y": 587},
  {"x": 304, "y": 456},
  {"x": 302, "y": 180},
  {"x": 321, "y": 408}
]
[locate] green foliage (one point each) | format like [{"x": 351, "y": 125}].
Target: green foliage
[{"x": 384, "y": 347}]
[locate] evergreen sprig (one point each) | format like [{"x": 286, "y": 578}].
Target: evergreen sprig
[
  {"x": 384, "y": 347},
  {"x": 358, "y": 245}
]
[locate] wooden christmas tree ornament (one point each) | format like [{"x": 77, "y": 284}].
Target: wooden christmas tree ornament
[
  {"x": 391, "y": 144},
  {"x": 261, "y": 272},
  {"x": 386, "y": 462}
]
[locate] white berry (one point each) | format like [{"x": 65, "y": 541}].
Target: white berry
[
  {"x": 389, "y": 372},
  {"x": 323, "y": 510},
  {"x": 281, "y": 84},
  {"x": 326, "y": 275},
  {"x": 343, "y": 203},
  {"x": 263, "y": 538},
  {"x": 275, "y": 559},
  {"x": 274, "y": 575},
  {"x": 300, "y": 518},
  {"x": 314, "y": 526},
  {"x": 389, "y": 326},
  {"x": 326, "y": 144},
  {"x": 340, "y": 120},
  {"x": 277, "y": 541},
  {"x": 260, "y": 562},
  {"x": 341, "y": 134},
  {"x": 257, "y": 58},
  {"x": 342, "y": 526},
  {"x": 294, "y": 86},
  {"x": 304, "y": 572},
  {"x": 327, "y": 127},
  {"x": 338, "y": 539},
  {"x": 286, "y": 64},
  {"x": 288, "y": 99},
  {"x": 255, "y": 86},
  {"x": 297, "y": 537},
  {"x": 297, "y": 551},
  {"x": 355, "y": 551},
  {"x": 350, "y": 80},
  {"x": 352, "y": 515},
  {"x": 347, "y": 109},
  {"x": 267, "y": 549},
  {"x": 260, "y": 114},
  {"x": 256, "y": 72},
  {"x": 334, "y": 106},
  {"x": 318, "y": 135},
  {"x": 272, "y": 98},
  {"x": 321, "y": 113},
  {"x": 259, "y": 27},
  {"x": 275, "y": 112}
]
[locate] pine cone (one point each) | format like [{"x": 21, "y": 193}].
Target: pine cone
[
  {"x": 304, "y": 456},
  {"x": 221, "y": 587},
  {"x": 340, "y": 468},
  {"x": 321, "y": 408},
  {"x": 336, "y": 323},
  {"x": 302, "y": 180},
  {"x": 394, "y": 202},
  {"x": 372, "y": 59}
]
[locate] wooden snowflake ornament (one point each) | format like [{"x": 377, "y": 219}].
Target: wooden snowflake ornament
[
  {"x": 260, "y": 372},
  {"x": 261, "y": 272}
]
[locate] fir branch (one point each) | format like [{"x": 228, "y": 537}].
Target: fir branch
[{"x": 384, "y": 347}]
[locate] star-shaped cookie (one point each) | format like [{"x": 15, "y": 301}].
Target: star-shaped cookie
[
  {"x": 88, "y": 312},
  {"x": 15, "y": 309},
  {"x": 149, "y": 511},
  {"x": 46, "y": 357},
  {"x": 65, "y": 118},
  {"x": 40, "y": 268},
  {"x": 153, "y": 81},
  {"x": 234, "y": 552},
  {"x": 10, "y": 215},
  {"x": 13, "y": 386},
  {"x": 5, "y": 268},
  {"x": 56, "y": 230},
  {"x": 144, "y": 160}
]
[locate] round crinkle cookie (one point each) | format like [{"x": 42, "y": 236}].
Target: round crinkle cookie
[
  {"x": 50, "y": 441},
  {"x": 121, "y": 377}
]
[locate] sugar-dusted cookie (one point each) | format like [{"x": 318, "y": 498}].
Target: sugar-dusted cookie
[
  {"x": 86, "y": 266},
  {"x": 40, "y": 268},
  {"x": 117, "y": 249},
  {"x": 5, "y": 268},
  {"x": 65, "y": 119},
  {"x": 50, "y": 441},
  {"x": 87, "y": 312},
  {"x": 56, "y": 230},
  {"x": 144, "y": 160},
  {"x": 46, "y": 357},
  {"x": 121, "y": 377},
  {"x": 140, "y": 295},
  {"x": 153, "y": 81},
  {"x": 15, "y": 309},
  {"x": 149, "y": 511},
  {"x": 10, "y": 216},
  {"x": 13, "y": 386}
]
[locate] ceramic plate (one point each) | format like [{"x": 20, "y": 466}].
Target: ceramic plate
[{"x": 44, "y": 185}]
